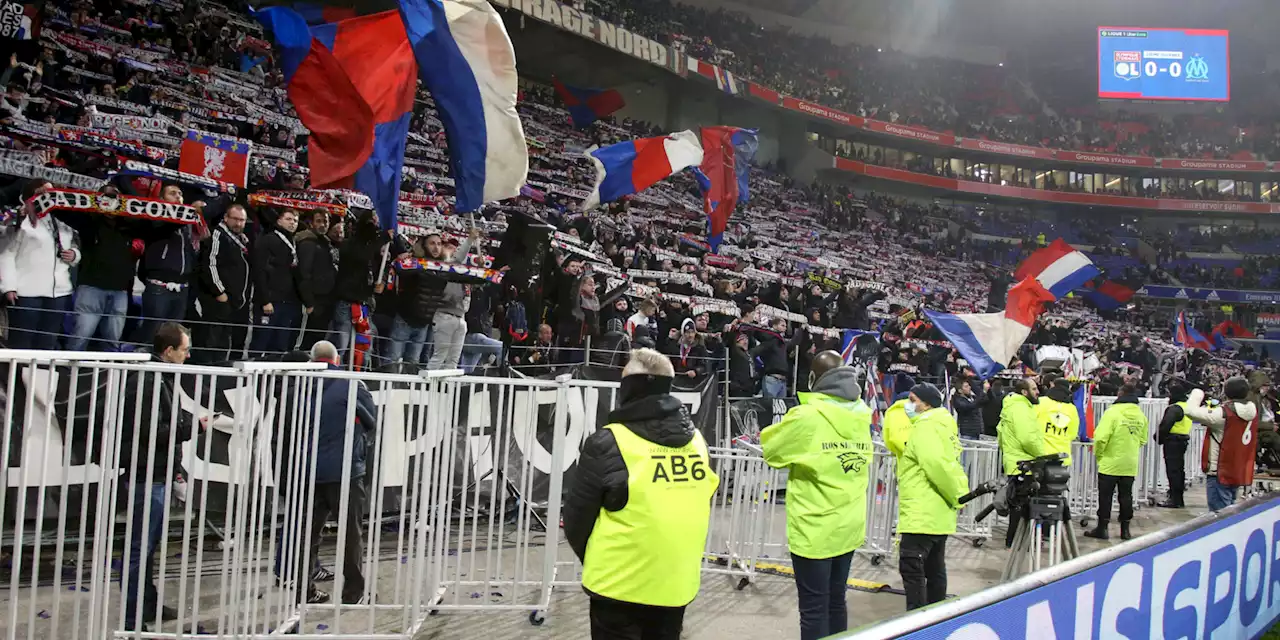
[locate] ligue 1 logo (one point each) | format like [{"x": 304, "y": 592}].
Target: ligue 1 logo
[
  {"x": 1197, "y": 69},
  {"x": 1128, "y": 65}
]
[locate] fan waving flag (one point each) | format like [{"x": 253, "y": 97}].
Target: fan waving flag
[
  {"x": 630, "y": 167},
  {"x": 585, "y": 106},
  {"x": 988, "y": 341},
  {"x": 1185, "y": 335},
  {"x": 1059, "y": 267},
  {"x": 726, "y": 162}
]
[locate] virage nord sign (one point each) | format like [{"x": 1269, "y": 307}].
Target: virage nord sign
[
  {"x": 1219, "y": 581},
  {"x": 588, "y": 26}
]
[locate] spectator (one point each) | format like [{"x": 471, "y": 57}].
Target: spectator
[
  {"x": 968, "y": 407},
  {"x": 538, "y": 355},
  {"x": 150, "y": 454},
  {"x": 362, "y": 261},
  {"x": 329, "y": 485},
  {"x": 38, "y": 255},
  {"x": 226, "y": 289},
  {"x": 479, "y": 343},
  {"x": 688, "y": 355},
  {"x": 641, "y": 326},
  {"x": 275, "y": 288},
  {"x": 742, "y": 378},
  {"x": 449, "y": 329},
  {"x": 772, "y": 351},
  {"x": 420, "y": 293},
  {"x": 167, "y": 265},
  {"x": 317, "y": 274}
]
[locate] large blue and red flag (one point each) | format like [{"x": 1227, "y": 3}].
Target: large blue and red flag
[
  {"x": 722, "y": 176},
  {"x": 353, "y": 82},
  {"x": 1185, "y": 335},
  {"x": 585, "y": 106},
  {"x": 1229, "y": 329},
  {"x": 1110, "y": 295},
  {"x": 1083, "y": 399}
]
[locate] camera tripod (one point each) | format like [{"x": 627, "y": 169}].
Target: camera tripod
[{"x": 1044, "y": 529}]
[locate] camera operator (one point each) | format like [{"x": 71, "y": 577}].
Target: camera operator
[
  {"x": 1059, "y": 418},
  {"x": 1117, "y": 444},
  {"x": 1020, "y": 437},
  {"x": 931, "y": 480},
  {"x": 1173, "y": 437},
  {"x": 825, "y": 443}
]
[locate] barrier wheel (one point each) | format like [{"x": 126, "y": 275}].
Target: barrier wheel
[
  {"x": 1151, "y": 502},
  {"x": 742, "y": 584},
  {"x": 978, "y": 542},
  {"x": 433, "y": 612},
  {"x": 536, "y": 618},
  {"x": 876, "y": 560},
  {"x": 1084, "y": 522}
]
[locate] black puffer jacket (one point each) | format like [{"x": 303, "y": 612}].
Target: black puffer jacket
[
  {"x": 420, "y": 294},
  {"x": 316, "y": 271},
  {"x": 969, "y": 413},
  {"x": 600, "y": 478}
]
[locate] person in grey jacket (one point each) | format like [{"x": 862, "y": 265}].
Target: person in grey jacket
[{"x": 449, "y": 326}]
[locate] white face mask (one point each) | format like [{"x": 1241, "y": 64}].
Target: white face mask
[{"x": 911, "y": 410}]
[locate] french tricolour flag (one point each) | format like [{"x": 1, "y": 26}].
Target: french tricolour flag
[
  {"x": 725, "y": 81},
  {"x": 989, "y": 340},
  {"x": 1059, "y": 267},
  {"x": 630, "y": 167}
]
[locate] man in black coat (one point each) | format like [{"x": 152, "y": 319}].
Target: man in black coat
[
  {"x": 149, "y": 457},
  {"x": 226, "y": 289},
  {"x": 772, "y": 350},
  {"x": 851, "y": 308},
  {"x": 317, "y": 274},
  {"x": 277, "y": 306},
  {"x": 968, "y": 406},
  {"x": 361, "y": 261},
  {"x": 742, "y": 379}
]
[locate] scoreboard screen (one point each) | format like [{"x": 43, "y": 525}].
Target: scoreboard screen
[{"x": 1137, "y": 63}]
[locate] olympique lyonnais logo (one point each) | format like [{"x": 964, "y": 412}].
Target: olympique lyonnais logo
[{"x": 1128, "y": 65}]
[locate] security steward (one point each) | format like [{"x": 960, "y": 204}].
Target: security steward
[
  {"x": 897, "y": 424},
  {"x": 1173, "y": 436},
  {"x": 1117, "y": 443},
  {"x": 1020, "y": 437},
  {"x": 1058, "y": 416},
  {"x": 931, "y": 480},
  {"x": 825, "y": 444},
  {"x": 638, "y": 508}
]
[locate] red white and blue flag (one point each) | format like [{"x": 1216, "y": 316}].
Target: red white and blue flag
[
  {"x": 726, "y": 82},
  {"x": 1185, "y": 335},
  {"x": 220, "y": 158},
  {"x": 988, "y": 341},
  {"x": 1059, "y": 267},
  {"x": 585, "y": 106},
  {"x": 630, "y": 167}
]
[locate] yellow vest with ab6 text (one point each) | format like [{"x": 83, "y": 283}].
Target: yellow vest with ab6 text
[
  {"x": 1183, "y": 426},
  {"x": 650, "y": 551}
]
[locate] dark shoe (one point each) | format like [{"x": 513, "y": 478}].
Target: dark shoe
[
  {"x": 321, "y": 574},
  {"x": 317, "y": 597},
  {"x": 1099, "y": 532},
  {"x": 168, "y": 613},
  {"x": 1124, "y": 531},
  {"x": 1172, "y": 504}
]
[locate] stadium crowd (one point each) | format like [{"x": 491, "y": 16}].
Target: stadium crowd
[{"x": 634, "y": 273}]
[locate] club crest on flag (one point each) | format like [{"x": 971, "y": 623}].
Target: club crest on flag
[{"x": 215, "y": 157}]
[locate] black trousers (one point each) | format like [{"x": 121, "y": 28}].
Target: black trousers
[
  {"x": 1175, "y": 466},
  {"x": 221, "y": 333},
  {"x": 318, "y": 321},
  {"x": 327, "y": 502},
  {"x": 1107, "y": 486},
  {"x": 922, "y": 561},
  {"x": 821, "y": 586},
  {"x": 614, "y": 620}
]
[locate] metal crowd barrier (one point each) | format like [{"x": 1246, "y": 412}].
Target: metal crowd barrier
[{"x": 982, "y": 463}]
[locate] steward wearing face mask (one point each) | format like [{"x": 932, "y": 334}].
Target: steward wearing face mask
[
  {"x": 825, "y": 444},
  {"x": 931, "y": 480},
  {"x": 638, "y": 507},
  {"x": 1021, "y": 437}
]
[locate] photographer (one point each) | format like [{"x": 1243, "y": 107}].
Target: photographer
[
  {"x": 931, "y": 480},
  {"x": 1117, "y": 444},
  {"x": 1020, "y": 437}
]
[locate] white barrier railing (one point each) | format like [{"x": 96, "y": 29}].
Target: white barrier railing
[{"x": 457, "y": 508}]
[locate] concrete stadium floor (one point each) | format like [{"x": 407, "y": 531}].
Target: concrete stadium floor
[{"x": 766, "y": 608}]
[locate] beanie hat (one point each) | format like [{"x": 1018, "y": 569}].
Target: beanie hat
[{"x": 928, "y": 393}]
